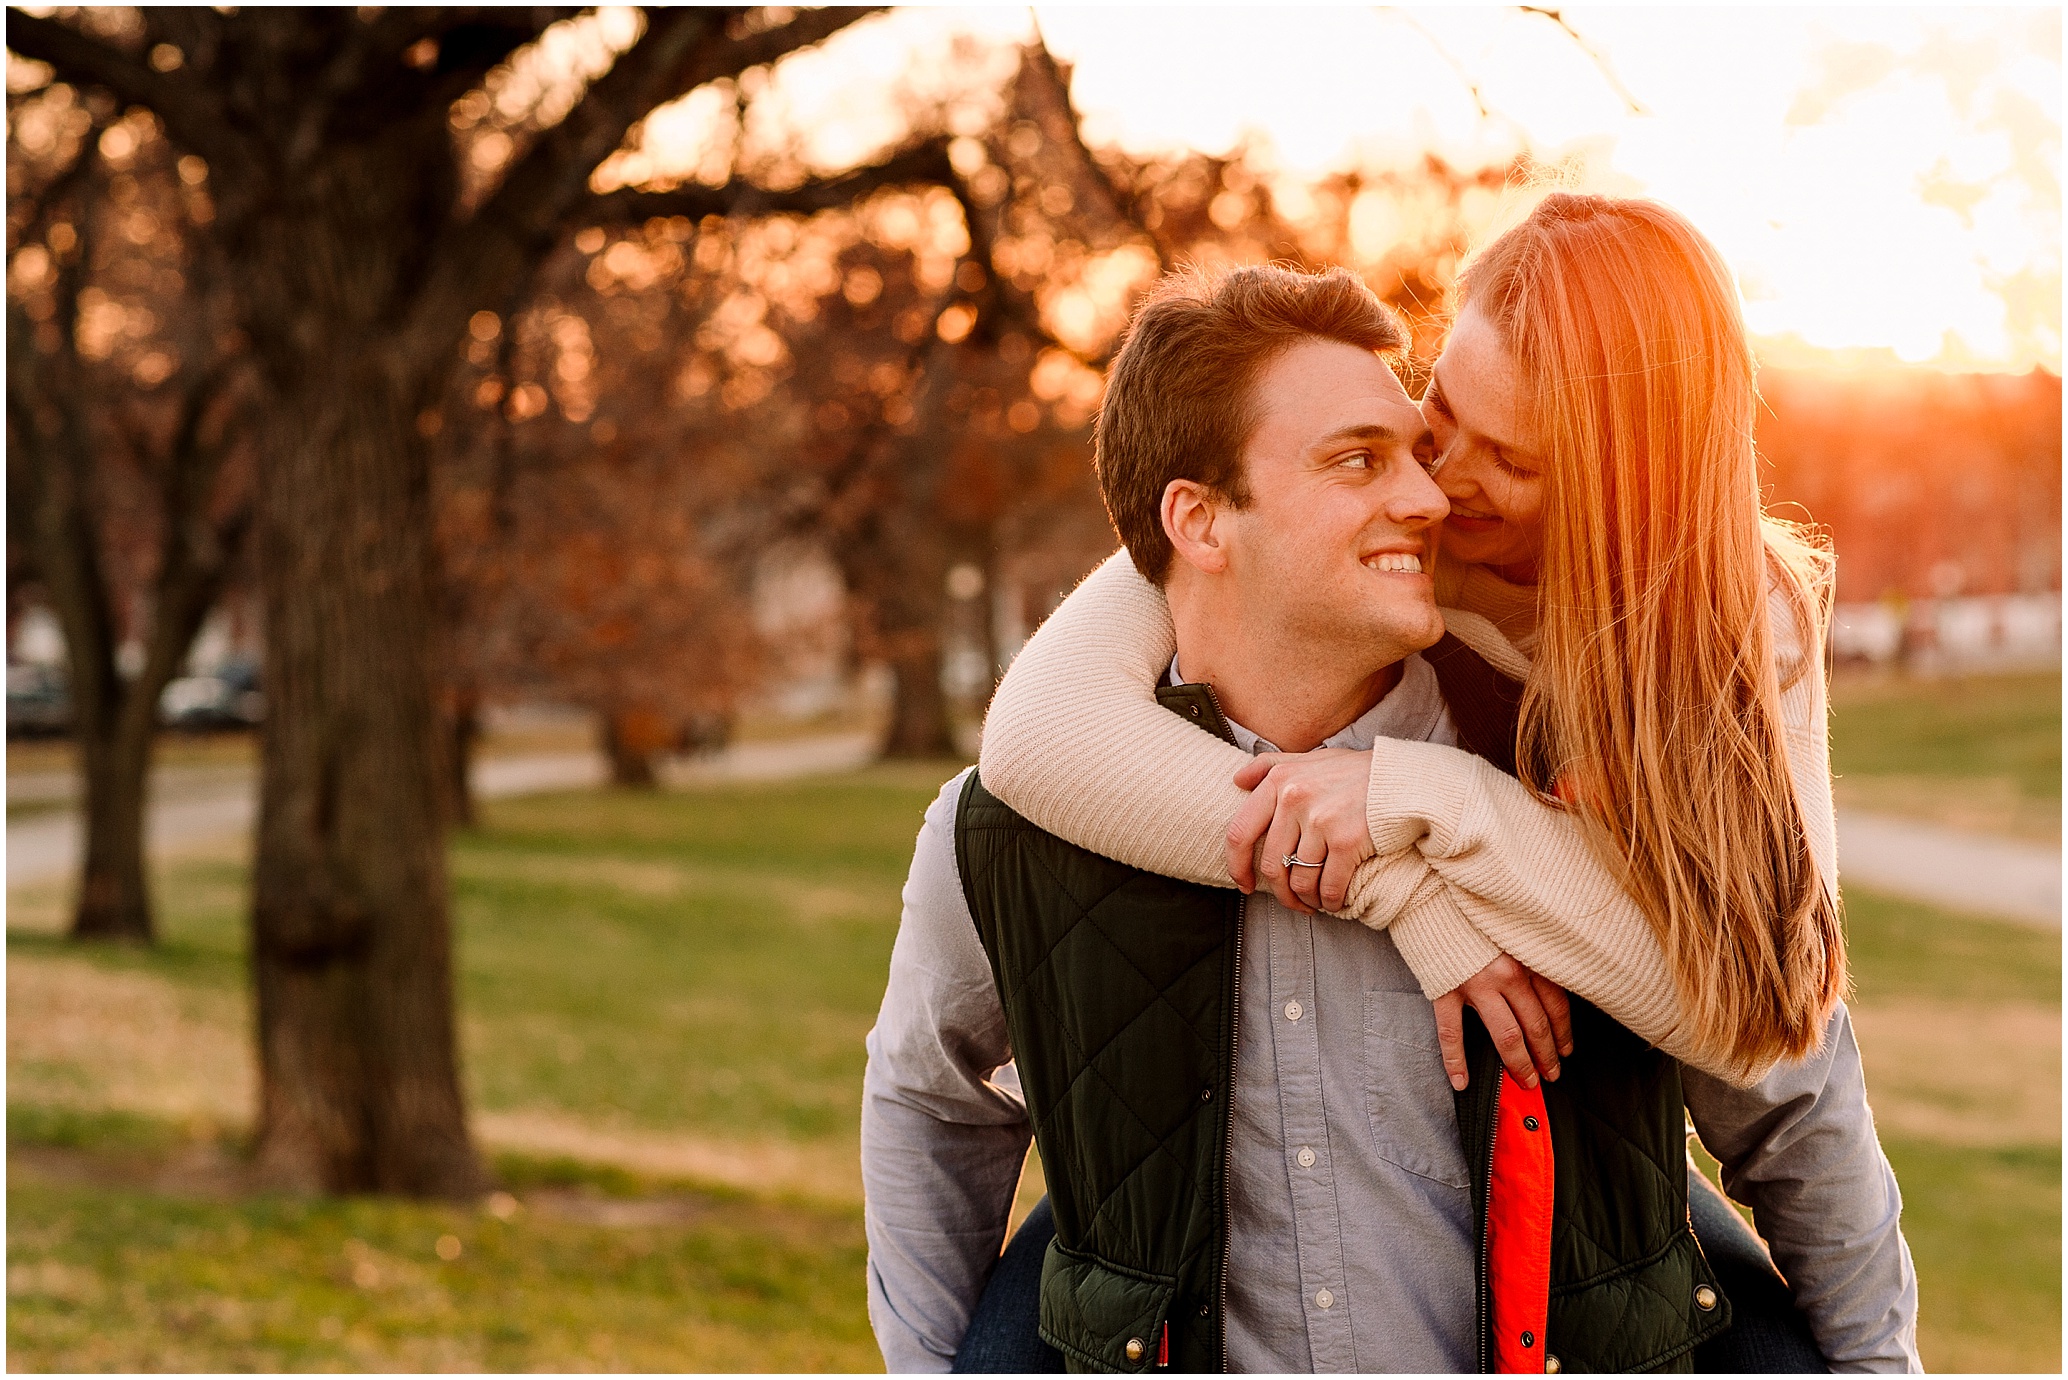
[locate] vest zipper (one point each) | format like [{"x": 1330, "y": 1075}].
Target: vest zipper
[
  {"x": 1215, "y": 701},
  {"x": 1228, "y": 1111},
  {"x": 1486, "y": 1215}
]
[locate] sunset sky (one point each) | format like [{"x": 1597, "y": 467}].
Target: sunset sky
[{"x": 1885, "y": 182}]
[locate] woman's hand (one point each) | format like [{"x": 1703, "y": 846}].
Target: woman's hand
[
  {"x": 1528, "y": 1016},
  {"x": 1310, "y": 805}
]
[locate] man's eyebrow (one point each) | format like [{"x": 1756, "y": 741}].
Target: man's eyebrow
[{"x": 1362, "y": 431}]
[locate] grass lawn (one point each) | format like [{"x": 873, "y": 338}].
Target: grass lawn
[
  {"x": 663, "y": 1002},
  {"x": 677, "y": 982},
  {"x": 1959, "y": 1023},
  {"x": 109, "y": 1276},
  {"x": 173, "y": 750},
  {"x": 1980, "y": 753}
]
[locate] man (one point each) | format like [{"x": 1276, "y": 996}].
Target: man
[{"x": 1255, "y": 1159}]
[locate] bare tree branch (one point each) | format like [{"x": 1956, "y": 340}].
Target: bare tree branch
[
  {"x": 679, "y": 53},
  {"x": 470, "y": 42},
  {"x": 1594, "y": 54},
  {"x": 1458, "y": 69},
  {"x": 808, "y": 28},
  {"x": 681, "y": 50},
  {"x": 1041, "y": 64},
  {"x": 914, "y": 165},
  {"x": 476, "y": 260},
  {"x": 191, "y": 114}
]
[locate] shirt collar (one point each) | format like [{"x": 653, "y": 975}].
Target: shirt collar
[{"x": 1412, "y": 709}]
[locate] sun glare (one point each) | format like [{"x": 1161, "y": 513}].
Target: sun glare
[
  {"x": 1885, "y": 182},
  {"x": 1881, "y": 180}
]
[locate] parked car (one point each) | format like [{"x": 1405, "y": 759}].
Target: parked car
[
  {"x": 228, "y": 698},
  {"x": 38, "y": 704}
]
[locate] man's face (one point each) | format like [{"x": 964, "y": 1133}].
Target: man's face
[{"x": 1334, "y": 545}]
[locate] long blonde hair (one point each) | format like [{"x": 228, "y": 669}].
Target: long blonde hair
[{"x": 1653, "y": 708}]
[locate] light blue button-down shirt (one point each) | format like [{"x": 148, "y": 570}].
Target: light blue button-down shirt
[{"x": 1349, "y": 1225}]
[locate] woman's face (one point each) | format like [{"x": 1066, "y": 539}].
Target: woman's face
[{"x": 1490, "y": 462}]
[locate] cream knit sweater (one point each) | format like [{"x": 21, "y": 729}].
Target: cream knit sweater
[{"x": 1469, "y": 863}]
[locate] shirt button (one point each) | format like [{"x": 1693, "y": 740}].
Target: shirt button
[
  {"x": 1293, "y": 1010},
  {"x": 1325, "y": 1299},
  {"x": 1306, "y": 1157}
]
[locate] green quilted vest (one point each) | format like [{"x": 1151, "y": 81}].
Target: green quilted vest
[{"x": 1120, "y": 989}]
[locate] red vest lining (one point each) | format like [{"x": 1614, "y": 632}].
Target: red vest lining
[{"x": 1518, "y": 1230}]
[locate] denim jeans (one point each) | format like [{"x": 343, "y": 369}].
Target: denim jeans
[
  {"x": 1766, "y": 1336},
  {"x": 1002, "y": 1337}
]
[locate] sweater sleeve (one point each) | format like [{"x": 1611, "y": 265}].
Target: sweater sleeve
[
  {"x": 1533, "y": 885},
  {"x": 1076, "y": 741}
]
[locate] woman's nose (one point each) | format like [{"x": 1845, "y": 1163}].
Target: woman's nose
[{"x": 1454, "y": 476}]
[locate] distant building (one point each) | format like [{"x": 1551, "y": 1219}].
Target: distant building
[
  {"x": 1941, "y": 494},
  {"x": 1931, "y": 485}
]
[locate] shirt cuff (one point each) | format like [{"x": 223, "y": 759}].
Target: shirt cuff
[{"x": 1440, "y": 944}]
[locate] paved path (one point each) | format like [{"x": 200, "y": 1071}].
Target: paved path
[
  {"x": 1961, "y": 871},
  {"x": 1965, "y": 872},
  {"x": 195, "y": 805},
  {"x": 44, "y": 846}
]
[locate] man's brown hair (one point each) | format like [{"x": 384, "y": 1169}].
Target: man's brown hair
[{"x": 1179, "y": 401}]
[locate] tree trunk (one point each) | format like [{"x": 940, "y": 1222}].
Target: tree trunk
[
  {"x": 115, "y": 720},
  {"x": 463, "y": 730},
  {"x": 898, "y": 561},
  {"x": 114, "y": 900},
  {"x": 351, "y": 944},
  {"x": 900, "y": 570},
  {"x": 114, "y": 897},
  {"x": 114, "y": 889},
  {"x": 631, "y": 737},
  {"x": 919, "y": 724}
]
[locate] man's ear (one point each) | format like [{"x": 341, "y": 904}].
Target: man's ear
[{"x": 1191, "y": 519}]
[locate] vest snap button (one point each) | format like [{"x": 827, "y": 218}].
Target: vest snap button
[
  {"x": 1206, "y": 1094},
  {"x": 1529, "y": 1123},
  {"x": 1705, "y": 1298},
  {"x": 1135, "y": 1349},
  {"x": 1206, "y": 1310},
  {"x": 1551, "y": 1366},
  {"x": 1529, "y": 1339}
]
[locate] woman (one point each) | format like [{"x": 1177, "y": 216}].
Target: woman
[{"x": 1594, "y": 412}]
